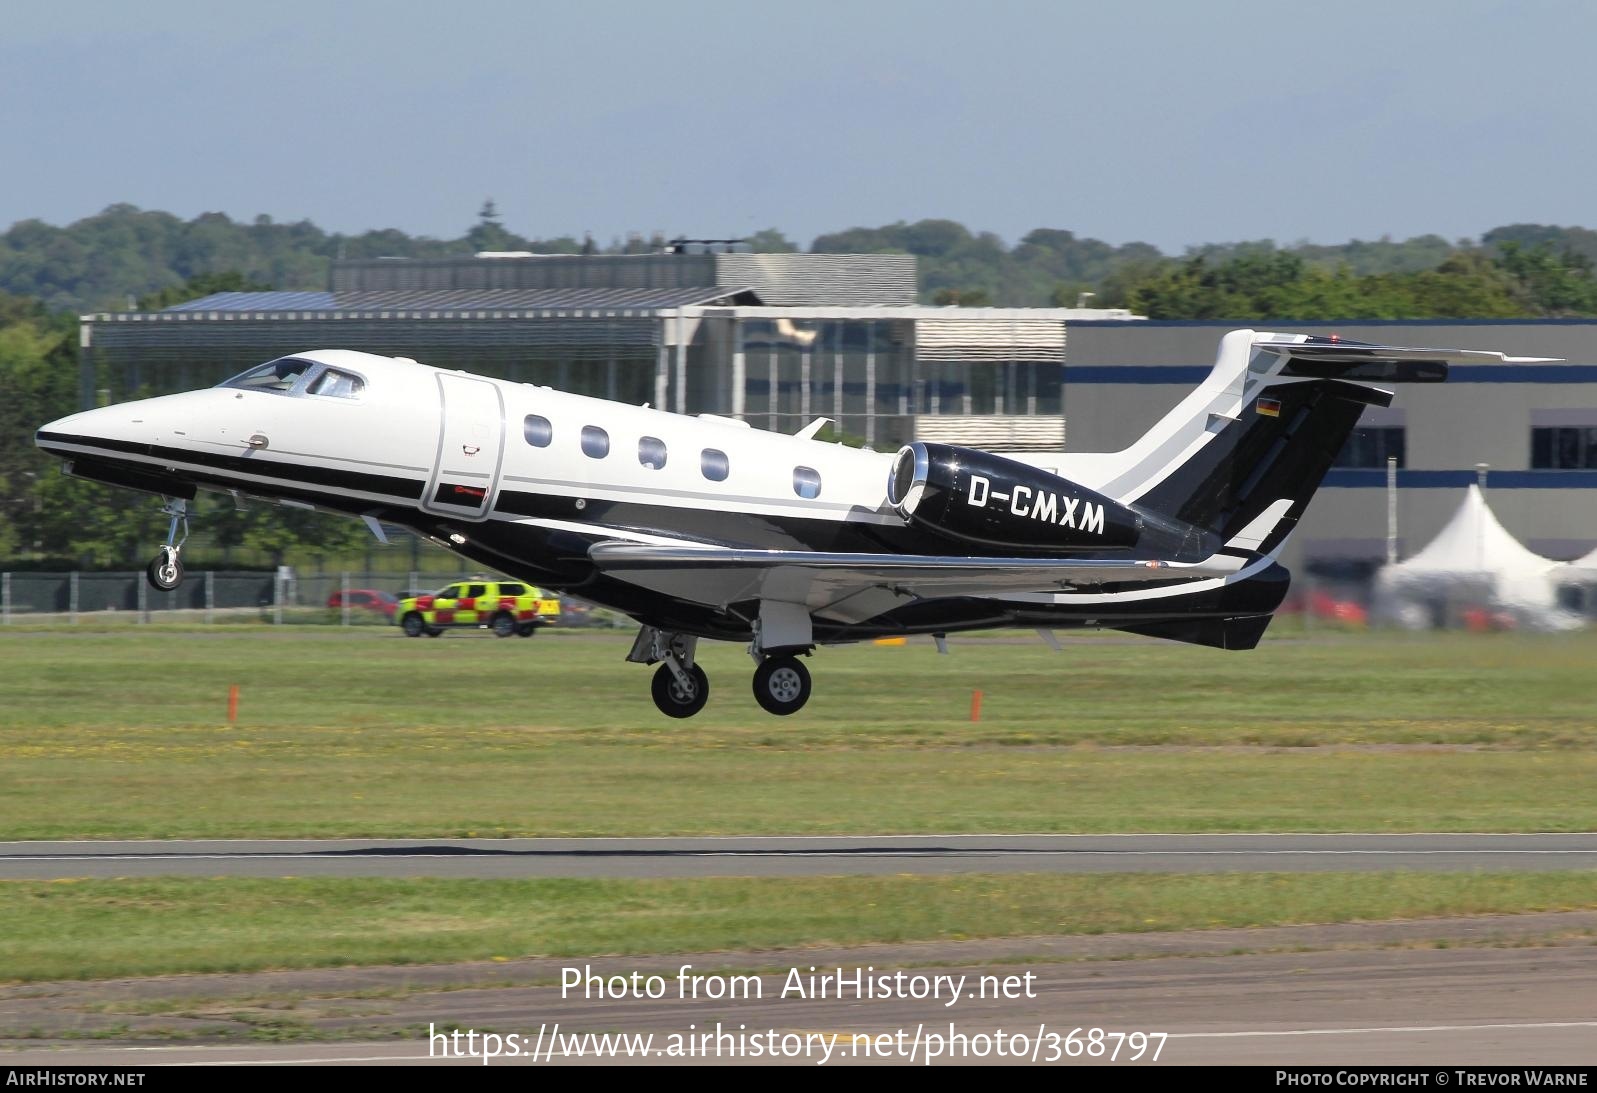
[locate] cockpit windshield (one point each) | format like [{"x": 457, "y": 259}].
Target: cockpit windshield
[
  {"x": 337, "y": 384},
  {"x": 280, "y": 375},
  {"x": 296, "y": 376}
]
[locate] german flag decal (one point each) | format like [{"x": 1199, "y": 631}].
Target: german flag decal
[{"x": 1269, "y": 407}]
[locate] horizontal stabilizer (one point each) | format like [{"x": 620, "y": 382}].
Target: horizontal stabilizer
[{"x": 1329, "y": 358}]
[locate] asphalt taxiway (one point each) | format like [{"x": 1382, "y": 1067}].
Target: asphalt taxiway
[{"x": 799, "y": 856}]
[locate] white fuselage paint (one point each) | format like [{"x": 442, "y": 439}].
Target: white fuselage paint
[{"x": 398, "y": 427}]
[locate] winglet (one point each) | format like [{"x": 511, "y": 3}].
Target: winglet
[{"x": 809, "y": 431}]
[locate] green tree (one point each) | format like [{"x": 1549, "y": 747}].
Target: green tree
[
  {"x": 488, "y": 233},
  {"x": 1269, "y": 284},
  {"x": 771, "y": 241},
  {"x": 1556, "y": 283},
  {"x": 34, "y": 356}
]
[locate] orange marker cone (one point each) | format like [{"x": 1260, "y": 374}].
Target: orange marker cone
[
  {"x": 232, "y": 704},
  {"x": 975, "y": 705}
]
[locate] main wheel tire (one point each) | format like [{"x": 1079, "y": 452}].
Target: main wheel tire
[
  {"x": 413, "y": 625},
  {"x": 781, "y": 685},
  {"x": 165, "y": 571},
  {"x": 673, "y": 699},
  {"x": 503, "y": 625},
  {"x": 527, "y": 629}
]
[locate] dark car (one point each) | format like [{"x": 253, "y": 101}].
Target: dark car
[{"x": 366, "y": 599}]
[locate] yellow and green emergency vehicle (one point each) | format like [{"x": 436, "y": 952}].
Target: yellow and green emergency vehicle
[{"x": 505, "y": 607}]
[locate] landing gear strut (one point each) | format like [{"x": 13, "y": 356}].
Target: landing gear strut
[
  {"x": 680, "y": 687},
  {"x": 165, "y": 571}
]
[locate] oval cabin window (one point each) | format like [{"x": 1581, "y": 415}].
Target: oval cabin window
[
  {"x": 595, "y": 442},
  {"x": 537, "y": 430},
  {"x": 651, "y": 452},
  {"x": 714, "y": 464},
  {"x": 806, "y": 482}
]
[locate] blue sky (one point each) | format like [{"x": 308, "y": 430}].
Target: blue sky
[{"x": 1173, "y": 123}]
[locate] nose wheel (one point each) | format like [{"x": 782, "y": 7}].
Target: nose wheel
[
  {"x": 781, "y": 685},
  {"x": 165, "y": 571},
  {"x": 680, "y": 695}
]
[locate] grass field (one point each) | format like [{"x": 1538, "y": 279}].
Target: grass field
[
  {"x": 103, "y": 928},
  {"x": 370, "y": 734},
  {"x": 365, "y": 733}
]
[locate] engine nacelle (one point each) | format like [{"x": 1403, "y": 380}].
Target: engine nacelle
[{"x": 985, "y": 498}]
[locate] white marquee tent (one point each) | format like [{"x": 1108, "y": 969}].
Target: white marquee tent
[{"x": 1473, "y": 566}]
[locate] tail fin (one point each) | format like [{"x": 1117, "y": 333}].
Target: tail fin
[
  {"x": 1277, "y": 449},
  {"x": 1242, "y": 456}
]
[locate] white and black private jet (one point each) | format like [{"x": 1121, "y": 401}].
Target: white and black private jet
[{"x": 702, "y": 527}]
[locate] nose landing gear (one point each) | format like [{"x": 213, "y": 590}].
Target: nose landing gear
[
  {"x": 680, "y": 691},
  {"x": 165, "y": 571},
  {"x": 680, "y": 688}
]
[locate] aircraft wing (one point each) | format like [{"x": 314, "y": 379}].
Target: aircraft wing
[{"x": 856, "y": 587}]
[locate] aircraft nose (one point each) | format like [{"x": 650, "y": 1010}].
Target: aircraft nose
[
  {"x": 52, "y": 435},
  {"x": 106, "y": 427}
]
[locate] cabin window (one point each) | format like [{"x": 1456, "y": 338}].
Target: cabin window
[
  {"x": 651, "y": 452},
  {"x": 537, "y": 430},
  {"x": 336, "y": 384},
  {"x": 806, "y": 482},
  {"x": 595, "y": 442},
  {"x": 713, "y": 463}
]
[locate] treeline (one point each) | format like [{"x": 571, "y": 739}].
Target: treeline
[
  {"x": 1519, "y": 271},
  {"x": 126, "y": 256},
  {"x": 1508, "y": 281}
]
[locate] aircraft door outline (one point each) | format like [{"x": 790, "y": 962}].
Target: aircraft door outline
[{"x": 471, "y": 442}]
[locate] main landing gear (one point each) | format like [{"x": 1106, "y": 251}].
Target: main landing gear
[
  {"x": 781, "y": 685},
  {"x": 165, "y": 571},
  {"x": 681, "y": 688}
]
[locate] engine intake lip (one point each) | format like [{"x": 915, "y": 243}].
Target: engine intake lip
[{"x": 906, "y": 482}]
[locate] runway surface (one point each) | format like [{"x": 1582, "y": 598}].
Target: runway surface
[{"x": 798, "y": 856}]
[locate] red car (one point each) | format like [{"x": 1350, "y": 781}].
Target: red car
[{"x": 366, "y": 599}]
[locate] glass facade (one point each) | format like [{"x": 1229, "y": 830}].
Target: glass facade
[
  {"x": 781, "y": 373},
  {"x": 872, "y": 376},
  {"x": 1372, "y": 447},
  {"x": 605, "y": 358},
  {"x": 1563, "y": 448}
]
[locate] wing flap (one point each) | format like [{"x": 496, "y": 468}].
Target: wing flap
[{"x": 855, "y": 587}]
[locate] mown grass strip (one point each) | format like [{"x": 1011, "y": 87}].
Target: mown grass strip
[{"x": 105, "y": 928}]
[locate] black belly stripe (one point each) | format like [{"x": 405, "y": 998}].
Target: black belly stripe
[{"x": 409, "y": 489}]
